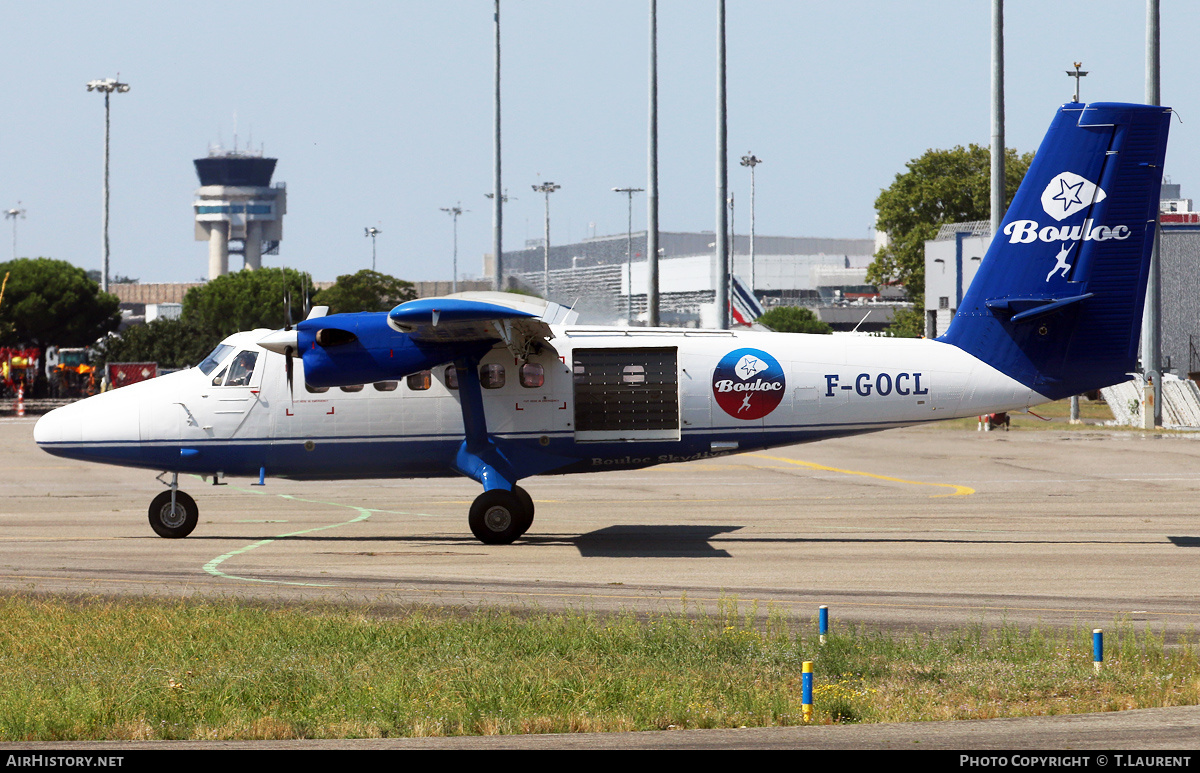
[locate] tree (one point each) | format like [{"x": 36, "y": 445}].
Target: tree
[
  {"x": 172, "y": 343},
  {"x": 245, "y": 300},
  {"x": 365, "y": 291},
  {"x": 794, "y": 319},
  {"x": 942, "y": 186},
  {"x": 53, "y": 303}
]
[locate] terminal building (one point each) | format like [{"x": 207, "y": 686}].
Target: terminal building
[{"x": 600, "y": 279}]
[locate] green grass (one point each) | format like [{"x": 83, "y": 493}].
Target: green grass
[{"x": 104, "y": 669}]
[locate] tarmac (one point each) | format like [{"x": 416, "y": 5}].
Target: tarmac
[{"x": 923, "y": 528}]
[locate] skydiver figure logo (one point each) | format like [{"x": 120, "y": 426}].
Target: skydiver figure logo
[{"x": 1061, "y": 262}]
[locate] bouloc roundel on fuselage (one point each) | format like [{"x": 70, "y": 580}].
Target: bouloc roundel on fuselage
[{"x": 500, "y": 387}]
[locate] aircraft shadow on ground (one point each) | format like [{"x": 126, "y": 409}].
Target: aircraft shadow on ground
[
  {"x": 653, "y": 542},
  {"x": 673, "y": 541}
]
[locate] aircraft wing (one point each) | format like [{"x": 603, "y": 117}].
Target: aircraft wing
[{"x": 522, "y": 323}]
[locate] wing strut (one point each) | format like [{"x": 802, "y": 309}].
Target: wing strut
[{"x": 495, "y": 462}]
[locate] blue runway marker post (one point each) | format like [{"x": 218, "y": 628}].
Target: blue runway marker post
[
  {"x": 823, "y": 621},
  {"x": 806, "y": 691},
  {"x": 262, "y": 477},
  {"x": 1097, "y": 648}
]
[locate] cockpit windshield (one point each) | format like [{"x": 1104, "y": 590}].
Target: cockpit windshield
[{"x": 209, "y": 364}]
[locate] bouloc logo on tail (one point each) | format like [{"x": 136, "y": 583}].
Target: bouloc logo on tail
[
  {"x": 748, "y": 383},
  {"x": 1065, "y": 195},
  {"x": 1068, "y": 193}
]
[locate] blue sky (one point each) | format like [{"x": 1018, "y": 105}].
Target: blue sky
[{"x": 381, "y": 112}]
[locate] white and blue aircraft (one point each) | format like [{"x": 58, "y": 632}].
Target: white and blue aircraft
[{"x": 500, "y": 388}]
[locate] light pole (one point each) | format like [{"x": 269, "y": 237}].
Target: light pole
[
  {"x": 721, "y": 232},
  {"x": 13, "y": 214},
  {"x": 454, "y": 212},
  {"x": 372, "y": 231},
  {"x": 498, "y": 207},
  {"x": 751, "y": 161},
  {"x": 1077, "y": 74},
  {"x": 107, "y": 87},
  {"x": 629, "y": 248},
  {"x": 546, "y": 188}
]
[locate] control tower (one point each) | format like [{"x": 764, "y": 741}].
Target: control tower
[{"x": 238, "y": 210}]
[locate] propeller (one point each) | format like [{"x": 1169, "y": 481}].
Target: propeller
[
  {"x": 287, "y": 368},
  {"x": 288, "y": 351}
]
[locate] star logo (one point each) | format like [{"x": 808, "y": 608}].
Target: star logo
[
  {"x": 1069, "y": 193},
  {"x": 750, "y": 366}
]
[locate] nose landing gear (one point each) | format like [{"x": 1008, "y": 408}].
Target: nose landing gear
[{"x": 173, "y": 514}]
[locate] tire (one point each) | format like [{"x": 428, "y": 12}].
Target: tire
[
  {"x": 527, "y": 503},
  {"x": 497, "y": 517},
  {"x": 177, "y": 523}
]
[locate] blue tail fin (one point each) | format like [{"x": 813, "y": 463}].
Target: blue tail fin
[{"x": 1057, "y": 302}]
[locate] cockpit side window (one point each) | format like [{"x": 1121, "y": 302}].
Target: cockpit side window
[
  {"x": 210, "y": 363},
  {"x": 242, "y": 368}
]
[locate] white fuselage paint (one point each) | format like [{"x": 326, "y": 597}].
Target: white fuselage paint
[{"x": 834, "y": 385}]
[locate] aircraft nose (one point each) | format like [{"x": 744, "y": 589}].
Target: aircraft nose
[
  {"x": 94, "y": 429},
  {"x": 57, "y": 426}
]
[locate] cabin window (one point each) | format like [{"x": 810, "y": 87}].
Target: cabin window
[
  {"x": 451, "y": 377},
  {"x": 633, "y": 374},
  {"x": 419, "y": 381},
  {"x": 210, "y": 363},
  {"x": 242, "y": 368},
  {"x": 386, "y": 386},
  {"x": 315, "y": 390},
  {"x": 352, "y": 388},
  {"x": 533, "y": 375},
  {"x": 491, "y": 376}
]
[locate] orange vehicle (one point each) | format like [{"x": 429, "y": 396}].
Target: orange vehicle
[
  {"x": 18, "y": 367},
  {"x": 70, "y": 372}
]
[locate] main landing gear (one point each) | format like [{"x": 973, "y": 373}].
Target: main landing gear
[
  {"x": 173, "y": 514},
  {"x": 499, "y": 517}
]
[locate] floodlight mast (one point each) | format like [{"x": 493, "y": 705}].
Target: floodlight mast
[
  {"x": 372, "y": 232},
  {"x": 1077, "y": 74},
  {"x": 454, "y": 212},
  {"x": 629, "y": 250},
  {"x": 13, "y": 214},
  {"x": 546, "y": 188},
  {"x": 751, "y": 161},
  {"x": 106, "y": 87}
]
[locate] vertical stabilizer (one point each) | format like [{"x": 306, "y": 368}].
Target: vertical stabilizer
[{"x": 1057, "y": 302}]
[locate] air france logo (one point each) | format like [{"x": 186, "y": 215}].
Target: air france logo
[
  {"x": 1065, "y": 195},
  {"x": 1068, "y": 193},
  {"x": 748, "y": 383}
]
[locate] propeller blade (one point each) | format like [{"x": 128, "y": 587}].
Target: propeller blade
[{"x": 287, "y": 368}]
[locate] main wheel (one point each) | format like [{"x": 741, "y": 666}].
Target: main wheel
[
  {"x": 173, "y": 522},
  {"x": 498, "y": 517},
  {"x": 527, "y": 503}
]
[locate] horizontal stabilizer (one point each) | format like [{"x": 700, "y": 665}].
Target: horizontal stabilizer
[{"x": 1029, "y": 309}]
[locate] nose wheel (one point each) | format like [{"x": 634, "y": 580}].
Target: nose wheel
[
  {"x": 500, "y": 517},
  {"x": 173, "y": 519}
]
